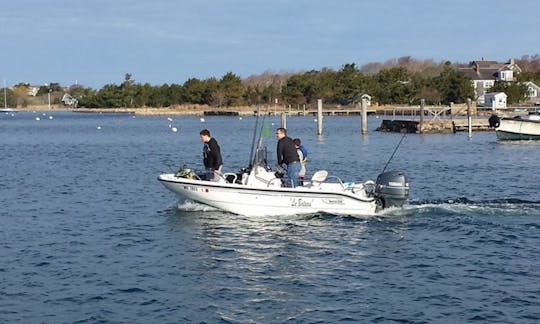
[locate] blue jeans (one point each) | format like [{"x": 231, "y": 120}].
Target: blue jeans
[
  {"x": 293, "y": 170},
  {"x": 213, "y": 174}
]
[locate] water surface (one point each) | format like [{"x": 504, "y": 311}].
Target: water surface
[{"x": 87, "y": 234}]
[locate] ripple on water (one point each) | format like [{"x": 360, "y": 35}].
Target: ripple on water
[{"x": 88, "y": 235}]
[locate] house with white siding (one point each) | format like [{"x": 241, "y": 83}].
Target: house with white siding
[
  {"x": 533, "y": 92},
  {"x": 495, "y": 100},
  {"x": 483, "y": 75}
]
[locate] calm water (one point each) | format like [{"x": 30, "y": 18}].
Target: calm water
[{"x": 88, "y": 235}]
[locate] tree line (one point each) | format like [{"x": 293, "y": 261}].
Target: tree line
[{"x": 398, "y": 81}]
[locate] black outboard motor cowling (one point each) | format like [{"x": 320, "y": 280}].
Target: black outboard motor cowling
[{"x": 392, "y": 189}]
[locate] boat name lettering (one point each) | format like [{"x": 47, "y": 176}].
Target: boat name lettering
[
  {"x": 192, "y": 188},
  {"x": 299, "y": 202},
  {"x": 333, "y": 201}
]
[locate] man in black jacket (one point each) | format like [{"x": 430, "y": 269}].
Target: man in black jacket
[
  {"x": 211, "y": 156},
  {"x": 286, "y": 154}
]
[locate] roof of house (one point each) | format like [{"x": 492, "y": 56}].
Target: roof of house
[
  {"x": 487, "y": 70},
  {"x": 495, "y": 94},
  {"x": 531, "y": 84}
]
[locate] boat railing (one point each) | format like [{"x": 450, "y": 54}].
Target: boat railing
[
  {"x": 338, "y": 180},
  {"x": 228, "y": 177},
  {"x": 268, "y": 182},
  {"x": 271, "y": 181}
]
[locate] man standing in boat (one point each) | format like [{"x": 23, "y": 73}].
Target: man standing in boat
[
  {"x": 211, "y": 156},
  {"x": 286, "y": 154}
]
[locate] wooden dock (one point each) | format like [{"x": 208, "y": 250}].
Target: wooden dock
[
  {"x": 444, "y": 126},
  {"x": 326, "y": 112}
]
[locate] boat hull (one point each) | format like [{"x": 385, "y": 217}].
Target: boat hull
[
  {"x": 518, "y": 129},
  {"x": 239, "y": 199}
]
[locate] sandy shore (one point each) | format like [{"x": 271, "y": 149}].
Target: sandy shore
[
  {"x": 191, "y": 110},
  {"x": 200, "y": 110}
]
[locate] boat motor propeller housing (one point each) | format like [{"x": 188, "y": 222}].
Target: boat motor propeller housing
[{"x": 392, "y": 189}]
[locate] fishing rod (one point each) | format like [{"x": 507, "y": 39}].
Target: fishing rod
[
  {"x": 393, "y": 153},
  {"x": 259, "y": 141},
  {"x": 397, "y": 147},
  {"x": 253, "y": 138}
]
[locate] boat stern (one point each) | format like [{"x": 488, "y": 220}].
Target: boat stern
[{"x": 392, "y": 189}]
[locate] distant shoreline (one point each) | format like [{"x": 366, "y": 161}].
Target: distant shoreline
[
  {"x": 192, "y": 110},
  {"x": 202, "y": 110}
]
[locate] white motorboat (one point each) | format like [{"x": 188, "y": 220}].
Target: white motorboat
[
  {"x": 519, "y": 128},
  {"x": 258, "y": 191}
]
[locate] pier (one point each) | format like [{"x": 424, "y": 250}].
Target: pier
[
  {"x": 434, "y": 126},
  {"x": 435, "y": 119}
]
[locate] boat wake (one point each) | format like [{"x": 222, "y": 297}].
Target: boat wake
[
  {"x": 463, "y": 205},
  {"x": 192, "y": 206},
  {"x": 438, "y": 207}
]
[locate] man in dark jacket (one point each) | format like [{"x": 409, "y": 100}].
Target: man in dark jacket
[
  {"x": 211, "y": 156},
  {"x": 286, "y": 154}
]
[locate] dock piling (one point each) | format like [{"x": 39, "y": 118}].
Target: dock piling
[
  {"x": 469, "y": 117},
  {"x": 363, "y": 107},
  {"x": 422, "y": 105},
  {"x": 319, "y": 117}
]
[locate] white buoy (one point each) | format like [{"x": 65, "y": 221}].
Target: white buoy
[
  {"x": 50, "y": 117},
  {"x": 174, "y": 129},
  {"x": 37, "y": 118},
  {"x": 202, "y": 120},
  {"x": 99, "y": 127},
  {"x": 169, "y": 119},
  {"x": 44, "y": 114},
  {"x": 272, "y": 124},
  {"x": 239, "y": 118},
  {"x": 170, "y": 125}
]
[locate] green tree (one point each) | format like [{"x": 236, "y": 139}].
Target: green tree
[
  {"x": 453, "y": 86},
  {"x": 394, "y": 86},
  {"x": 194, "y": 91},
  {"x": 529, "y": 76},
  {"x": 10, "y": 99},
  {"x": 231, "y": 88},
  {"x": 82, "y": 94},
  {"x": 293, "y": 91}
]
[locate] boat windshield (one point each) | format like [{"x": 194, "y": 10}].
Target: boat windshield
[{"x": 261, "y": 157}]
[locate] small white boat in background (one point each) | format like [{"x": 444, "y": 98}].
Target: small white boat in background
[{"x": 519, "y": 128}]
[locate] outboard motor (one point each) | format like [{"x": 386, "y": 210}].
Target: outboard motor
[{"x": 392, "y": 189}]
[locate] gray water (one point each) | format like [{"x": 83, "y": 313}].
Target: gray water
[{"x": 88, "y": 235}]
